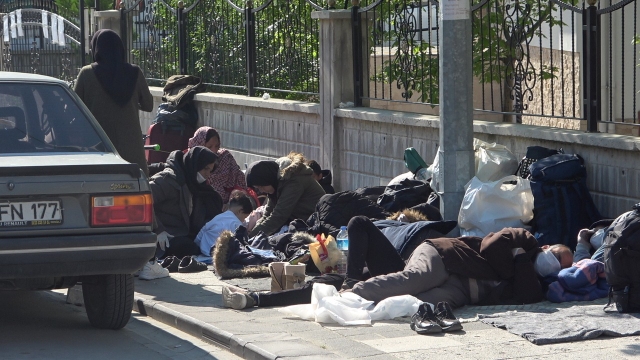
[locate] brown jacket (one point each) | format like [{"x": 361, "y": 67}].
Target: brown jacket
[{"x": 122, "y": 124}]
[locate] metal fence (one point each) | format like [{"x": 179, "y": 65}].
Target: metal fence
[
  {"x": 532, "y": 59},
  {"x": 31, "y": 45},
  {"x": 239, "y": 48}
]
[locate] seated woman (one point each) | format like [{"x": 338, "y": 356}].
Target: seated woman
[
  {"x": 239, "y": 208},
  {"x": 182, "y": 201},
  {"x": 227, "y": 175},
  {"x": 292, "y": 192}
]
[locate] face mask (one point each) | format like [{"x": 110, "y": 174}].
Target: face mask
[
  {"x": 200, "y": 179},
  {"x": 546, "y": 263}
]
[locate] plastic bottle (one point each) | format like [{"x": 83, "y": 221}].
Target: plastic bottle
[
  {"x": 342, "y": 240},
  {"x": 423, "y": 174}
]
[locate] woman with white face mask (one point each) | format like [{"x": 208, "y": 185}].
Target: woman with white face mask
[{"x": 182, "y": 200}]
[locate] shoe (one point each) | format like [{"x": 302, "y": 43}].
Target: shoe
[
  {"x": 446, "y": 319},
  {"x": 190, "y": 265},
  {"x": 170, "y": 263},
  {"x": 237, "y": 298},
  {"x": 152, "y": 270},
  {"x": 424, "y": 321}
]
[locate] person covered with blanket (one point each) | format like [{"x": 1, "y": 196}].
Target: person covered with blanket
[
  {"x": 505, "y": 267},
  {"x": 292, "y": 192}
]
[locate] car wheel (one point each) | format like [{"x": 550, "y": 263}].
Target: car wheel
[{"x": 108, "y": 300}]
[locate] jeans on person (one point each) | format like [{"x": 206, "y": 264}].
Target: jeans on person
[
  {"x": 369, "y": 247},
  {"x": 301, "y": 295}
]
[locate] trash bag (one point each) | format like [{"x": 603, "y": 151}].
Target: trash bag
[{"x": 493, "y": 161}]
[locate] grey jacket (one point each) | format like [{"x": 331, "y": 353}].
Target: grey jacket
[{"x": 298, "y": 193}]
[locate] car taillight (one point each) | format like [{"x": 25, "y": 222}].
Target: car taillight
[{"x": 119, "y": 210}]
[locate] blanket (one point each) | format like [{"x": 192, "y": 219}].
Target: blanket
[
  {"x": 549, "y": 326},
  {"x": 584, "y": 281}
]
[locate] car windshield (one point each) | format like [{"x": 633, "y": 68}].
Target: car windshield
[{"x": 42, "y": 118}]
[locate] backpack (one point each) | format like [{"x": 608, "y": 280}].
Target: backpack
[
  {"x": 562, "y": 204},
  {"x": 622, "y": 261},
  {"x": 404, "y": 195},
  {"x": 534, "y": 153}
]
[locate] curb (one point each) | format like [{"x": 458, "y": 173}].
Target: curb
[{"x": 201, "y": 330}]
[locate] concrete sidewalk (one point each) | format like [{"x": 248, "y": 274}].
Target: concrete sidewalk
[{"x": 192, "y": 303}]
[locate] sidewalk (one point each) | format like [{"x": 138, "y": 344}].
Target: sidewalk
[{"x": 192, "y": 303}]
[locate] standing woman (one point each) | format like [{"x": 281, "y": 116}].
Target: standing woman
[
  {"x": 114, "y": 91},
  {"x": 227, "y": 175}
]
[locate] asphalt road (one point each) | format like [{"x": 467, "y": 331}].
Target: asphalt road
[{"x": 41, "y": 325}]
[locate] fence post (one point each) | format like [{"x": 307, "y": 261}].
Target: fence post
[
  {"x": 456, "y": 154},
  {"x": 83, "y": 60},
  {"x": 591, "y": 65},
  {"x": 250, "y": 33},
  {"x": 123, "y": 28},
  {"x": 356, "y": 33},
  {"x": 182, "y": 38}
]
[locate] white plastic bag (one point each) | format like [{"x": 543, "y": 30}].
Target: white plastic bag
[
  {"x": 491, "y": 206},
  {"x": 493, "y": 161},
  {"x": 434, "y": 171},
  {"x": 347, "y": 308}
]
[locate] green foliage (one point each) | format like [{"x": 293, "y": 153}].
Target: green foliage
[
  {"x": 286, "y": 51},
  {"x": 501, "y": 30}
]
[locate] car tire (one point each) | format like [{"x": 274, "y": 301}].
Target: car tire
[{"x": 108, "y": 300}]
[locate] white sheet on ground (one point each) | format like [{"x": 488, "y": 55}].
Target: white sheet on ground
[{"x": 330, "y": 306}]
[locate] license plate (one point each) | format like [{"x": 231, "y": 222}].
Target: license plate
[{"x": 30, "y": 213}]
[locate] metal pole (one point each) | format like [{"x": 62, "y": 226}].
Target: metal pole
[
  {"x": 250, "y": 31},
  {"x": 83, "y": 60},
  {"x": 456, "y": 155},
  {"x": 591, "y": 65},
  {"x": 182, "y": 39},
  {"x": 356, "y": 33}
]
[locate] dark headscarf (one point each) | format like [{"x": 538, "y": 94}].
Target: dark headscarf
[
  {"x": 262, "y": 173},
  {"x": 117, "y": 77},
  {"x": 196, "y": 159}
]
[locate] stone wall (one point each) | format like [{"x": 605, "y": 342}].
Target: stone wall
[{"x": 370, "y": 143}]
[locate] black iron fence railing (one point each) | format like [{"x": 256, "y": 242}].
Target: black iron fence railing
[
  {"x": 244, "y": 48},
  {"x": 533, "y": 60}
]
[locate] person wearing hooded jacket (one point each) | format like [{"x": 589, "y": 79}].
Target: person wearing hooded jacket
[
  {"x": 115, "y": 91},
  {"x": 182, "y": 201},
  {"x": 292, "y": 192}
]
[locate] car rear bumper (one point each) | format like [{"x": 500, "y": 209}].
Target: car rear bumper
[{"x": 78, "y": 255}]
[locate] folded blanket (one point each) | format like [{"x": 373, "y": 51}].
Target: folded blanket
[{"x": 584, "y": 281}]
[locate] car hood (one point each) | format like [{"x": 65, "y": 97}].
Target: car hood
[{"x": 60, "y": 159}]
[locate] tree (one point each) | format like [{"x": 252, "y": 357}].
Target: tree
[{"x": 502, "y": 31}]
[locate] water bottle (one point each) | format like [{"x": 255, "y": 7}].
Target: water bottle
[
  {"x": 342, "y": 240},
  {"x": 423, "y": 174}
]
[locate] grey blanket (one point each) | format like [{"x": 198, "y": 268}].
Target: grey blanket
[{"x": 548, "y": 326}]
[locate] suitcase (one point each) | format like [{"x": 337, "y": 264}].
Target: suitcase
[{"x": 170, "y": 137}]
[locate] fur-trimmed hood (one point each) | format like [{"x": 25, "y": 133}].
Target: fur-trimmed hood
[
  {"x": 294, "y": 163},
  {"x": 221, "y": 255}
]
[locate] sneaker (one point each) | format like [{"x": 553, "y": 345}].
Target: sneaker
[
  {"x": 190, "y": 265},
  {"x": 236, "y": 298},
  {"x": 446, "y": 319},
  {"x": 170, "y": 263},
  {"x": 153, "y": 270}
]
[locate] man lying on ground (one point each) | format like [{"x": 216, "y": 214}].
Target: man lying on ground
[{"x": 503, "y": 268}]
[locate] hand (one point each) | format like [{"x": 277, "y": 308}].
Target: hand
[
  {"x": 584, "y": 236},
  {"x": 517, "y": 251},
  {"x": 163, "y": 240}
]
